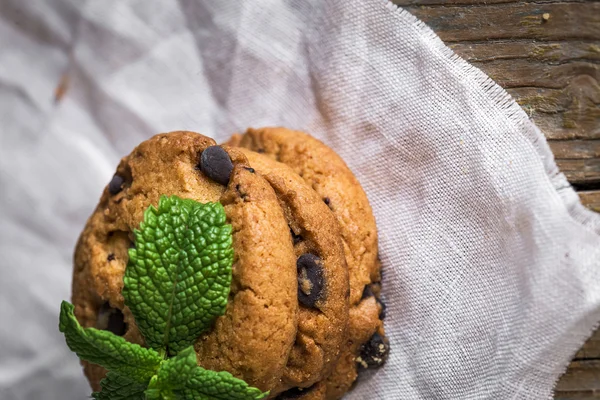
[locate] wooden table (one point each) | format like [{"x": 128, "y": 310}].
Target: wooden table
[{"x": 546, "y": 54}]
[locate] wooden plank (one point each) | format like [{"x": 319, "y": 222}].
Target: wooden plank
[
  {"x": 522, "y": 20},
  {"x": 571, "y": 112},
  {"x": 568, "y": 113},
  {"x": 577, "y": 395},
  {"x": 575, "y": 149},
  {"x": 579, "y": 160},
  {"x": 404, "y": 3},
  {"x": 591, "y": 349},
  {"x": 519, "y": 73},
  {"x": 584, "y": 172},
  {"x": 591, "y": 199},
  {"x": 543, "y": 52},
  {"x": 581, "y": 376}
]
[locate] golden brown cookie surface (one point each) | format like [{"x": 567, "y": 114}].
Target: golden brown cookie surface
[{"x": 255, "y": 336}]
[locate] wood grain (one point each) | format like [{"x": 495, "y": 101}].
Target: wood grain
[
  {"x": 579, "y": 160},
  {"x": 591, "y": 349},
  {"x": 581, "y": 376},
  {"x": 591, "y": 199},
  {"x": 460, "y": 23},
  {"x": 405, "y": 3},
  {"x": 546, "y": 53},
  {"x": 557, "y": 83}
]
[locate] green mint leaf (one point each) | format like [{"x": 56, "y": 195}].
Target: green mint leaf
[
  {"x": 172, "y": 374},
  {"x": 181, "y": 378},
  {"x": 211, "y": 385},
  {"x": 107, "y": 349},
  {"x": 179, "y": 273},
  {"x": 177, "y": 371},
  {"x": 156, "y": 393},
  {"x": 117, "y": 387}
]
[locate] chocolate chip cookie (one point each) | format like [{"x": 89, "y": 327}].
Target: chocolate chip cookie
[
  {"x": 254, "y": 338},
  {"x": 322, "y": 274},
  {"x": 330, "y": 177}
]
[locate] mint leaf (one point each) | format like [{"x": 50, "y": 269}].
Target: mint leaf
[
  {"x": 117, "y": 387},
  {"x": 179, "y": 273},
  {"x": 211, "y": 385},
  {"x": 172, "y": 374},
  {"x": 177, "y": 371},
  {"x": 181, "y": 378},
  {"x": 107, "y": 349}
]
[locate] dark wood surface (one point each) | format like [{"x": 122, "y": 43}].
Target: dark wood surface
[{"x": 546, "y": 54}]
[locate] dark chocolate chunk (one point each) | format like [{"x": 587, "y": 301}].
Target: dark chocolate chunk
[
  {"x": 111, "y": 319},
  {"x": 116, "y": 184},
  {"x": 294, "y": 393},
  {"x": 116, "y": 323},
  {"x": 260, "y": 151},
  {"x": 251, "y": 170},
  {"x": 327, "y": 200},
  {"x": 373, "y": 353},
  {"x": 310, "y": 279},
  {"x": 216, "y": 164},
  {"x": 383, "y": 308},
  {"x": 296, "y": 238},
  {"x": 110, "y": 257},
  {"x": 367, "y": 292}
]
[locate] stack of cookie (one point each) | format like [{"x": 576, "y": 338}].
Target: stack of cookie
[{"x": 304, "y": 314}]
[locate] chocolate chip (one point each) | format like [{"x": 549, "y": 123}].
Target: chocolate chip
[
  {"x": 383, "y": 309},
  {"x": 327, "y": 200},
  {"x": 250, "y": 169},
  {"x": 110, "y": 257},
  {"x": 111, "y": 319},
  {"x": 296, "y": 238},
  {"x": 294, "y": 393},
  {"x": 216, "y": 164},
  {"x": 260, "y": 151},
  {"x": 373, "y": 353},
  {"x": 116, "y": 323},
  {"x": 367, "y": 292},
  {"x": 310, "y": 279},
  {"x": 116, "y": 184}
]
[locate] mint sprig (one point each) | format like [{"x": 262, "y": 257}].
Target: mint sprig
[{"x": 176, "y": 283}]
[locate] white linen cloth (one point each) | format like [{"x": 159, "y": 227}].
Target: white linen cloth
[{"x": 491, "y": 264}]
